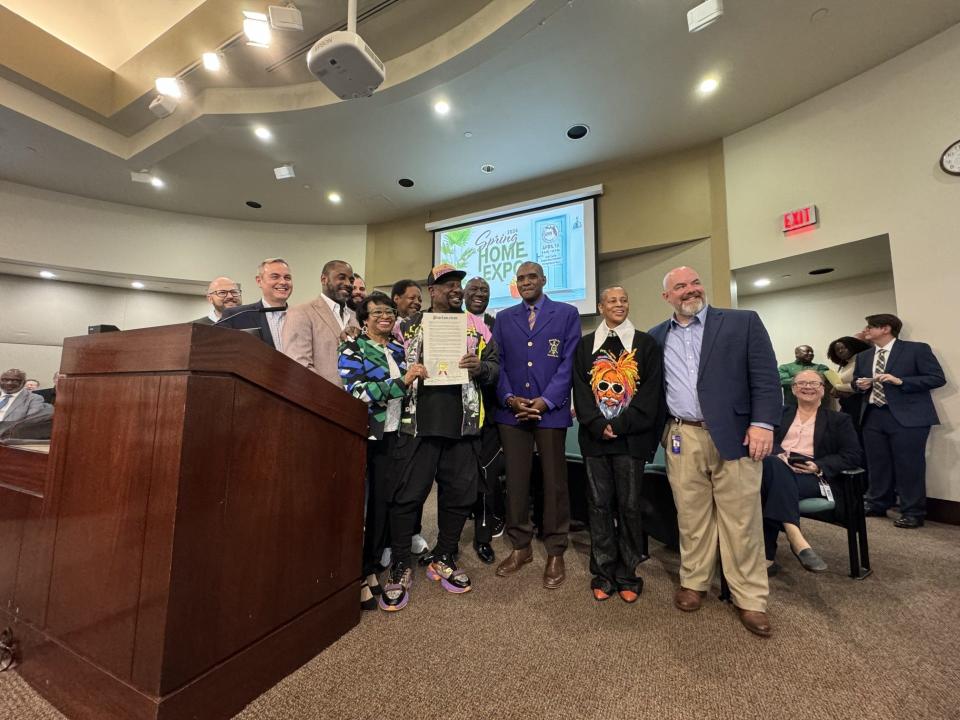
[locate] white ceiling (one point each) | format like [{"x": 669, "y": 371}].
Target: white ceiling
[
  {"x": 109, "y": 31},
  {"x": 627, "y": 68},
  {"x": 869, "y": 256}
]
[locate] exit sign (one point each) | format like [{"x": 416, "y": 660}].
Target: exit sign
[{"x": 801, "y": 218}]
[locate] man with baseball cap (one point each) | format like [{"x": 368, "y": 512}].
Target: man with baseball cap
[{"x": 439, "y": 439}]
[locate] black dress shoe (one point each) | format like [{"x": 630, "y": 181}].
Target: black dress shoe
[
  {"x": 485, "y": 553},
  {"x": 873, "y": 512},
  {"x": 905, "y": 521}
]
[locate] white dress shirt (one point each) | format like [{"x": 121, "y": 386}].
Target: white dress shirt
[
  {"x": 275, "y": 322},
  {"x": 624, "y": 331},
  {"x": 336, "y": 309}
]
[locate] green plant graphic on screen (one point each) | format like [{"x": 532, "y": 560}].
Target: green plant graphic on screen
[{"x": 453, "y": 247}]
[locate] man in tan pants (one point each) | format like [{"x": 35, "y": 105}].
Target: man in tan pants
[{"x": 723, "y": 401}]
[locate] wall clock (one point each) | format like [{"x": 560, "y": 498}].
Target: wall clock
[{"x": 950, "y": 160}]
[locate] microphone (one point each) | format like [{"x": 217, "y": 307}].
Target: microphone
[{"x": 251, "y": 310}]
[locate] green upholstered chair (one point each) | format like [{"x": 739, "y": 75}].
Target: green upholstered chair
[{"x": 846, "y": 511}]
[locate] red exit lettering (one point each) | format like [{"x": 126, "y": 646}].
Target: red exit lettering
[{"x": 803, "y": 217}]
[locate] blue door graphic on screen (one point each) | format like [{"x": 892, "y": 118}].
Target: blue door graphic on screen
[{"x": 551, "y": 237}]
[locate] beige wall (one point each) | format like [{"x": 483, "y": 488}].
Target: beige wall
[
  {"x": 819, "y": 314},
  {"x": 654, "y": 202},
  {"x": 32, "y": 340},
  {"x": 64, "y": 230},
  {"x": 866, "y": 152}
]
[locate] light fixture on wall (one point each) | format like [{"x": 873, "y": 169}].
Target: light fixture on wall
[
  {"x": 137, "y": 285},
  {"x": 169, "y": 86},
  {"x": 761, "y": 282},
  {"x": 147, "y": 178},
  {"x": 47, "y": 275}
]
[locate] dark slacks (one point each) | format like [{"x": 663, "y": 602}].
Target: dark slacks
[
  {"x": 455, "y": 465},
  {"x": 489, "y": 503},
  {"x": 518, "y": 441},
  {"x": 781, "y": 490},
  {"x": 381, "y": 481},
  {"x": 616, "y": 526},
  {"x": 896, "y": 462}
]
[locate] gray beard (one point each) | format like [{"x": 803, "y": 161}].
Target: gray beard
[{"x": 691, "y": 307}]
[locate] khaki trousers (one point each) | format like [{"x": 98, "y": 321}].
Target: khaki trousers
[{"x": 717, "y": 499}]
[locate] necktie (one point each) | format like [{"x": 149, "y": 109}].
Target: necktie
[
  {"x": 879, "y": 396},
  {"x": 4, "y": 400},
  {"x": 532, "y": 317},
  {"x": 342, "y": 311}
]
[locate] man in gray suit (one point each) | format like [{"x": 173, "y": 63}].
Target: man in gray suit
[{"x": 16, "y": 402}]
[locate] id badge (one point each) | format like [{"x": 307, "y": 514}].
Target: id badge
[
  {"x": 826, "y": 491},
  {"x": 675, "y": 443}
]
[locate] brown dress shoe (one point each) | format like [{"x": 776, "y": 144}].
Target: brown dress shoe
[
  {"x": 755, "y": 621},
  {"x": 554, "y": 573},
  {"x": 515, "y": 560},
  {"x": 687, "y": 600}
]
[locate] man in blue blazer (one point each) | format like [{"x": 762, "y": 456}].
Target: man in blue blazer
[
  {"x": 723, "y": 401},
  {"x": 276, "y": 285},
  {"x": 537, "y": 341},
  {"x": 897, "y": 377}
]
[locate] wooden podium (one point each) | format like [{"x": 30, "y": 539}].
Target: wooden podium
[{"x": 194, "y": 535}]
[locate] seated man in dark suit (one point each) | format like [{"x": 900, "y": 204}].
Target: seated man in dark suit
[
  {"x": 49, "y": 394},
  {"x": 276, "y": 285},
  {"x": 815, "y": 443}
]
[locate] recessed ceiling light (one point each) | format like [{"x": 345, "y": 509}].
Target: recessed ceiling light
[
  {"x": 761, "y": 282},
  {"x": 169, "y": 86},
  {"x": 137, "y": 285},
  {"x": 157, "y": 182},
  {"x": 468, "y": 134},
  {"x": 405, "y": 182},
  {"x": 284, "y": 172},
  {"x": 256, "y": 28},
  {"x": 47, "y": 275},
  {"x": 708, "y": 85},
  {"x": 786, "y": 276},
  {"x": 211, "y": 61},
  {"x": 254, "y": 204},
  {"x": 487, "y": 169},
  {"x": 335, "y": 198},
  {"x": 441, "y": 107},
  {"x": 576, "y": 132},
  {"x": 262, "y": 133}
]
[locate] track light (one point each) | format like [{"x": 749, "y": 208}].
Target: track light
[
  {"x": 211, "y": 61},
  {"x": 169, "y": 86},
  {"x": 257, "y": 29}
]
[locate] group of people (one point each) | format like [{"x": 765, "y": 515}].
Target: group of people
[{"x": 704, "y": 384}]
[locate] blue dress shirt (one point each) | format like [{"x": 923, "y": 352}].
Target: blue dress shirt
[{"x": 681, "y": 366}]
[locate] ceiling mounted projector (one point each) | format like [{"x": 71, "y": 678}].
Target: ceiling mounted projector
[{"x": 345, "y": 63}]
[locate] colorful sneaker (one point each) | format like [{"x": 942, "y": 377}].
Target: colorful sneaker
[
  {"x": 444, "y": 569},
  {"x": 396, "y": 592}
]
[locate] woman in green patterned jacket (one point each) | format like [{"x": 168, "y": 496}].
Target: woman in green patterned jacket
[{"x": 373, "y": 369}]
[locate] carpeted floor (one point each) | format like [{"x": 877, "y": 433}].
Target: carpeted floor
[{"x": 884, "y": 647}]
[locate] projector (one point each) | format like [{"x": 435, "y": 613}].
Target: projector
[
  {"x": 344, "y": 63},
  {"x": 163, "y": 106},
  {"x": 704, "y": 15}
]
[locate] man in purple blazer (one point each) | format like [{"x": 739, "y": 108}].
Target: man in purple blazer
[{"x": 537, "y": 339}]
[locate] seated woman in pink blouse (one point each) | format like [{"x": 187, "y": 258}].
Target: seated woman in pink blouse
[{"x": 814, "y": 443}]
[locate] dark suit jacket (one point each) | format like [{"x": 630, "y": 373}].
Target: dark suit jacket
[
  {"x": 835, "y": 444},
  {"x": 49, "y": 395},
  {"x": 737, "y": 382},
  {"x": 539, "y": 362},
  {"x": 638, "y": 420},
  {"x": 251, "y": 319},
  {"x": 915, "y": 364},
  {"x": 203, "y": 321}
]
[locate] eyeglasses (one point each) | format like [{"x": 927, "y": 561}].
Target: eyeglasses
[
  {"x": 382, "y": 313},
  {"x": 808, "y": 383},
  {"x": 603, "y": 386},
  {"x": 224, "y": 293}
]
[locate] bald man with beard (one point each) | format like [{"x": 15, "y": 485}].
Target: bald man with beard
[{"x": 222, "y": 293}]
